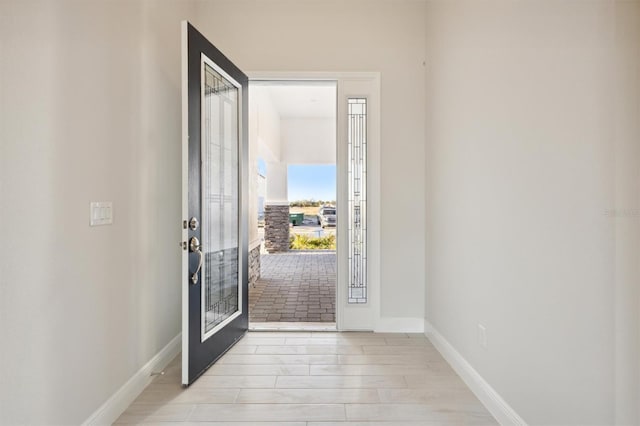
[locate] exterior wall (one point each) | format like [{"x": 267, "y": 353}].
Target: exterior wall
[
  {"x": 277, "y": 183},
  {"x": 276, "y": 228},
  {"x": 264, "y": 142}
]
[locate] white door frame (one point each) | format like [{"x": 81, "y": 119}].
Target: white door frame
[{"x": 352, "y": 84}]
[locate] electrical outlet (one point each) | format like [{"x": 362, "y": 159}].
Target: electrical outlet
[{"x": 482, "y": 336}]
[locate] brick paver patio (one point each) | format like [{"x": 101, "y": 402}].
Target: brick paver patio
[{"x": 295, "y": 287}]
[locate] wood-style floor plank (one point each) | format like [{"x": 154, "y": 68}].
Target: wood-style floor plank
[
  {"x": 310, "y": 396},
  {"x": 315, "y": 378},
  {"x": 310, "y": 350},
  {"x": 267, "y": 412}
]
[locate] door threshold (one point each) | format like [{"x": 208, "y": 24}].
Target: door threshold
[{"x": 292, "y": 326}]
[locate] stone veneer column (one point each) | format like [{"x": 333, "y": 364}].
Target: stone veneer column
[
  {"x": 276, "y": 228},
  {"x": 254, "y": 264}
]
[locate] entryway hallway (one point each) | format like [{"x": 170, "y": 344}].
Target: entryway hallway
[
  {"x": 316, "y": 379},
  {"x": 296, "y": 286}
]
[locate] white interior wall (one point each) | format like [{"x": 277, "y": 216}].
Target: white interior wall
[
  {"x": 626, "y": 210},
  {"x": 103, "y": 123},
  {"x": 532, "y": 193},
  {"x": 90, "y": 109},
  {"x": 309, "y": 140},
  {"x": 357, "y": 35}
]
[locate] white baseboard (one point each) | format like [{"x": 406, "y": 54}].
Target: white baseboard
[
  {"x": 427, "y": 328},
  {"x": 119, "y": 401},
  {"x": 400, "y": 325},
  {"x": 497, "y": 406}
]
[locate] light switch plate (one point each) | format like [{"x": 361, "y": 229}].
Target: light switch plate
[{"x": 101, "y": 213}]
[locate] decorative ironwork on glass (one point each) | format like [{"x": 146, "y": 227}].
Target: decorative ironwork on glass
[
  {"x": 220, "y": 199},
  {"x": 357, "y": 206}
]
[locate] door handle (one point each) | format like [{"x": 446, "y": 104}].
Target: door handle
[{"x": 195, "y": 247}]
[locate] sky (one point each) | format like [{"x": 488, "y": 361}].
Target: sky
[{"x": 312, "y": 182}]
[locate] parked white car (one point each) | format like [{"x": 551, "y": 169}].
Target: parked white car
[{"x": 327, "y": 216}]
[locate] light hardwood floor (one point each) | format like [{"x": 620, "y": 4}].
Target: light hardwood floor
[{"x": 315, "y": 379}]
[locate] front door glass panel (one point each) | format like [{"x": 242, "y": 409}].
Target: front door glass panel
[
  {"x": 357, "y": 211},
  {"x": 221, "y": 290}
]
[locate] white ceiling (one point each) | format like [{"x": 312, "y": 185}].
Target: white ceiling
[{"x": 303, "y": 100}]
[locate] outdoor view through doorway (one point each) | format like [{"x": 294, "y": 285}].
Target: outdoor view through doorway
[{"x": 292, "y": 252}]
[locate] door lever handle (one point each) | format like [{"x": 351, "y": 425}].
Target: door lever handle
[{"x": 195, "y": 247}]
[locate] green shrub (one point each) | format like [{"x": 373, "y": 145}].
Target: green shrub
[
  {"x": 305, "y": 242},
  {"x": 310, "y": 203}
]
